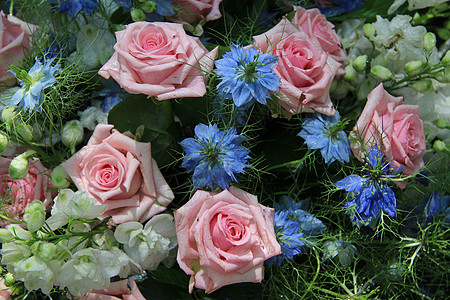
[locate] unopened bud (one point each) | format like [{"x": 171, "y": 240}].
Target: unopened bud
[
  {"x": 72, "y": 133},
  {"x": 443, "y": 76},
  {"x": 446, "y": 59},
  {"x": 9, "y": 113},
  {"x": 368, "y": 30},
  {"x": 34, "y": 215},
  {"x": 137, "y": 14},
  {"x": 18, "y": 168},
  {"x": 360, "y": 63},
  {"x": 5, "y": 236},
  {"x": 442, "y": 124},
  {"x": 415, "y": 67},
  {"x": 381, "y": 73},
  {"x": 429, "y": 41},
  {"x": 9, "y": 279},
  {"x": 423, "y": 85},
  {"x": 24, "y": 130},
  {"x": 46, "y": 251},
  {"x": 148, "y": 6},
  {"x": 350, "y": 73},
  {"x": 60, "y": 179},
  {"x": 440, "y": 146},
  {"x": 3, "y": 142}
]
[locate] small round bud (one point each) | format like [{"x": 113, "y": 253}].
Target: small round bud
[
  {"x": 9, "y": 279},
  {"x": 18, "y": 168},
  {"x": 381, "y": 73},
  {"x": 24, "y": 130},
  {"x": 72, "y": 133},
  {"x": 137, "y": 14},
  {"x": 34, "y": 215},
  {"x": 60, "y": 179},
  {"x": 440, "y": 146},
  {"x": 396, "y": 272},
  {"x": 446, "y": 59},
  {"x": 429, "y": 41},
  {"x": 360, "y": 63},
  {"x": 415, "y": 67},
  {"x": 5, "y": 236},
  {"x": 423, "y": 86},
  {"x": 148, "y": 6},
  {"x": 442, "y": 124},
  {"x": 3, "y": 142},
  {"x": 9, "y": 113},
  {"x": 350, "y": 73},
  {"x": 368, "y": 30}
]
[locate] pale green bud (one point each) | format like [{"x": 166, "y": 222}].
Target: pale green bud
[
  {"x": 3, "y": 142},
  {"x": 446, "y": 59},
  {"x": 443, "y": 76},
  {"x": 423, "y": 86},
  {"x": 34, "y": 215},
  {"x": 368, "y": 30},
  {"x": 137, "y": 14},
  {"x": 60, "y": 179},
  {"x": 148, "y": 7},
  {"x": 429, "y": 41},
  {"x": 442, "y": 124},
  {"x": 9, "y": 279},
  {"x": 350, "y": 73},
  {"x": 19, "y": 166},
  {"x": 5, "y": 236},
  {"x": 72, "y": 133},
  {"x": 440, "y": 146},
  {"x": 8, "y": 114},
  {"x": 24, "y": 130},
  {"x": 381, "y": 73},
  {"x": 415, "y": 67},
  {"x": 47, "y": 251},
  {"x": 360, "y": 63}
]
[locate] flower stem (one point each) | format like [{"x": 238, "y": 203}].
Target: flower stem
[{"x": 290, "y": 163}]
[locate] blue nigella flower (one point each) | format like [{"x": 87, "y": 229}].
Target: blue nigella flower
[
  {"x": 295, "y": 228},
  {"x": 31, "y": 94},
  {"x": 371, "y": 193},
  {"x": 72, "y": 7},
  {"x": 247, "y": 75},
  {"x": 325, "y": 133},
  {"x": 214, "y": 156},
  {"x": 163, "y": 8},
  {"x": 341, "y": 6},
  {"x": 113, "y": 94}
]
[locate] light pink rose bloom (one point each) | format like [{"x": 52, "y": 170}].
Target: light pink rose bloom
[
  {"x": 5, "y": 292},
  {"x": 394, "y": 126},
  {"x": 14, "y": 43},
  {"x": 224, "y": 238},
  {"x": 17, "y": 194},
  {"x": 306, "y": 71},
  {"x": 315, "y": 25},
  {"x": 116, "y": 291},
  {"x": 159, "y": 59},
  {"x": 193, "y": 11},
  {"x": 120, "y": 172}
]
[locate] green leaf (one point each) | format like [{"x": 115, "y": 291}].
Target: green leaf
[
  {"x": 159, "y": 128},
  {"x": 171, "y": 276}
]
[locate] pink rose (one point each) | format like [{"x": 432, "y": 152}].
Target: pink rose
[
  {"x": 394, "y": 126},
  {"x": 120, "y": 172},
  {"x": 193, "y": 11},
  {"x": 224, "y": 238},
  {"x": 315, "y": 25},
  {"x": 159, "y": 59},
  {"x": 14, "y": 43},
  {"x": 5, "y": 292},
  {"x": 17, "y": 194},
  {"x": 119, "y": 289},
  {"x": 305, "y": 70}
]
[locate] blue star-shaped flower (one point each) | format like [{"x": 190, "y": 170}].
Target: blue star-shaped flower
[
  {"x": 31, "y": 94},
  {"x": 214, "y": 156},
  {"x": 72, "y": 7},
  {"x": 370, "y": 193},
  {"x": 324, "y": 133},
  {"x": 247, "y": 75}
]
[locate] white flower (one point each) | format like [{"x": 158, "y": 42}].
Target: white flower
[
  {"x": 37, "y": 273},
  {"x": 88, "y": 268},
  {"x": 150, "y": 245},
  {"x": 92, "y": 116},
  {"x": 414, "y": 4}
]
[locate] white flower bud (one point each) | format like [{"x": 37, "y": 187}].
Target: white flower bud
[
  {"x": 9, "y": 279},
  {"x": 360, "y": 63},
  {"x": 8, "y": 114},
  {"x": 24, "y": 130},
  {"x": 429, "y": 41},
  {"x": 415, "y": 67},
  {"x": 3, "y": 142},
  {"x": 446, "y": 59},
  {"x": 441, "y": 146},
  {"x": 381, "y": 73},
  {"x": 60, "y": 179},
  {"x": 34, "y": 215},
  {"x": 350, "y": 73},
  {"x": 368, "y": 30},
  {"x": 5, "y": 236},
  {"x": 442, "y": 124},
  {"x": 46, "y": 251},
  {"x": 72, "y": 133},
  {"x": 423, "y": 86},
  {"x": 19, "y": 166}
]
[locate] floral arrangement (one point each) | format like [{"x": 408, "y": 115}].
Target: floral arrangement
[{"x": 209, "y": 149}]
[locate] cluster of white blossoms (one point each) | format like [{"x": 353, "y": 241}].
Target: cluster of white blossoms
[
  {"x": 75, "y": 249},
  {"x": 414, "y": 4}
]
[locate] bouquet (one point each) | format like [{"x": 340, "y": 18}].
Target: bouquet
[{"x": 209, "y": 149}]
